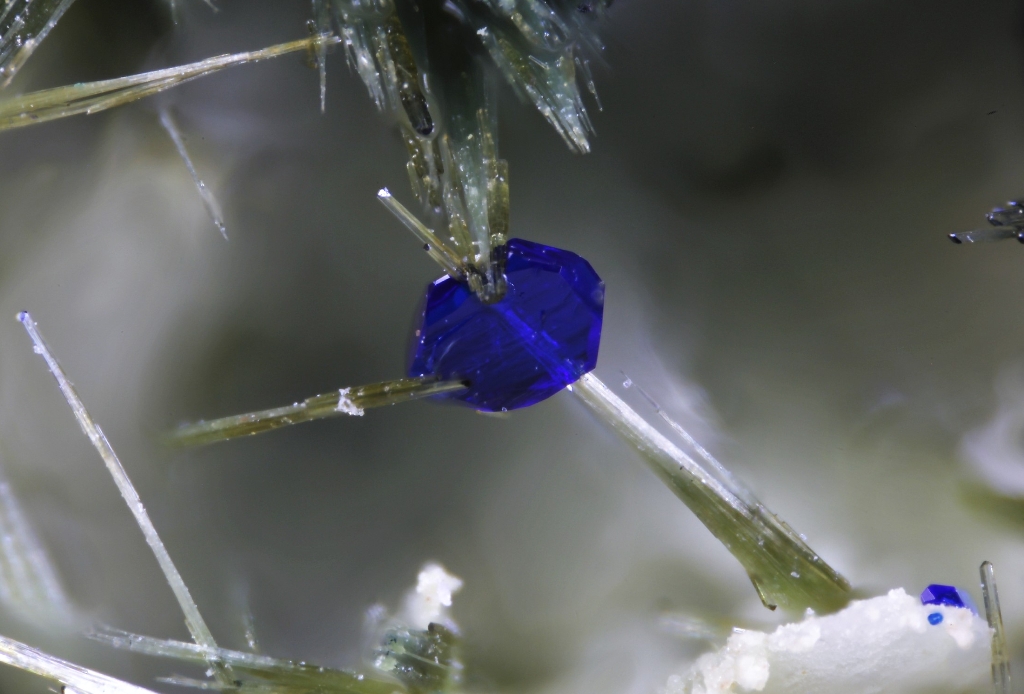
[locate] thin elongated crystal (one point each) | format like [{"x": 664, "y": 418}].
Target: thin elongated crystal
[
  {"x": 723, "y": 473},
  {"x": 210, "y": 202},
  {"x": 29, "y": 585},
  {"x": 475, "y": 193},
  {"x": 404, "y": 77},
  {"x": 322, "y": 20},
  {"x": 1006, "y": 223},
  {"x": 1000, "y": 656},
  {"x": 784, "y": 570},
  {"x": 93, "y": 97},
  {"x": 588, "y": 79},
  {"x": 347, "y": 401},
  {"x": 458, "y": 165},
  {"x": 249, "y": 629},
  {"x": 183, "y": 650},
  {"x": 437, "y": 249},
  {"x": 264, "y": 673},
  {"x": 358, "y": 21},
  {"x": 75, "y": 678},
  {"x": 193, "y": 619},
  {"x": 444, "y": 102},
  {"x": 173, "y": 7},
  {"x": 549, "y": 83},
  {"x": 985, "y": 235},
  {"x": 286, "y": 675},
  {"x": 23, "y": 26}
]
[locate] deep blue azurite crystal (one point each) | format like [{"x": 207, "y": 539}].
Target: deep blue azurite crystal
[
  {"x": 937, "y": 594},
  {"x": 542, "y": 336}
]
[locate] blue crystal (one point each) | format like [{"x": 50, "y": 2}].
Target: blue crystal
[
  {"x": 542, "y": 336},
  {"x": 937, "y": 594},
  {"x": 935, "y": 618}
]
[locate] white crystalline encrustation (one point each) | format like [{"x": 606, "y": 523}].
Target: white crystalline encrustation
[
  {"x": 346, "y": 405},
  {"x": 884, "y": 644},
  {"x": 430, "y": 601}
]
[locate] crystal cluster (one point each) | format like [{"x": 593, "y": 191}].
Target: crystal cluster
[
  {"x": 540, "y": 337},
  {"x": 431, "y": 65}
]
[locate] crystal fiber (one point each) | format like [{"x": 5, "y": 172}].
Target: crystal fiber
[{"x": 542, "y": 336}]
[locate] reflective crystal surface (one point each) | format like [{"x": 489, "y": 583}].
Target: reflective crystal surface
[
  {"x": 542, "y": 336},
  {"x": 1012, "y": 214},
  {"x": 937, "y": 594}
]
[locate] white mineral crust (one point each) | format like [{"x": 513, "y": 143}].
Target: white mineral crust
[
  {"x": 346, "y": 405},
  {"x": 432, "y": 597},
  {"x": 884, "y": 644}
]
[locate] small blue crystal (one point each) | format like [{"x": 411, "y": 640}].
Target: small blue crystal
[
  {"x": 937, "y": 594},
  {"x": 935, "y": 618},
  {"x": 542, "y": 336}
]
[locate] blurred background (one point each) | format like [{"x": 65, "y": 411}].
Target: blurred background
[{"x": 767, "y": 200}]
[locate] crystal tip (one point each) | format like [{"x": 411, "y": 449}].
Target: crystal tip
[
  {"x": 955, "y": 239},
  {"x": 24, "y": 317}
]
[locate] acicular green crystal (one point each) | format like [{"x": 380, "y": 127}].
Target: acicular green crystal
[
  {"x": 785, "y": 571},
  {"x": 440, "y": 93}
]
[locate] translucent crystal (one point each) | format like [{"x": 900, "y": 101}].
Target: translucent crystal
[
  {"x": 549, "y": 83},
  {"x": 1006, "y": 223},
  {"x": 984, "y": 235},
  {"x": 951, "y": 596},
  {"x": 73, "y": 678},
  {"x": 193, "y": 619},
  {"x": 209, "y": 201},
  {"x": 345, "y": 401},
  {"x": 23, "y": 26},
  {"x": 542, "y": 336},
  {"x": 93, "y": 97},
  {"x": 785, "y": 571},
  {"x": 1001, "y": 679},
  {"x": 1012, "y": 214},
  {"x": 231, "y": 670}
]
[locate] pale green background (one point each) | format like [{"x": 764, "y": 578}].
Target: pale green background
[{"x": 767, "y": 200}]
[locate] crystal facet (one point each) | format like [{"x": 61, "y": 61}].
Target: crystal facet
[
  {"x": 542, "y": 336},
  {"x": 937, "y": 594}
]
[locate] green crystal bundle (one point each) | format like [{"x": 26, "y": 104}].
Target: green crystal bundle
[{"x": 433, "y": 67}]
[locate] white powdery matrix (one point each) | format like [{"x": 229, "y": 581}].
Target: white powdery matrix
[
  {"x": 885, "y": 644},
  {"x": 430, "y": 600}
]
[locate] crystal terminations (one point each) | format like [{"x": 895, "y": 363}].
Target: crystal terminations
[
  {"x": 938, "y": 594},
  {"x": 542, "y": 336}
]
